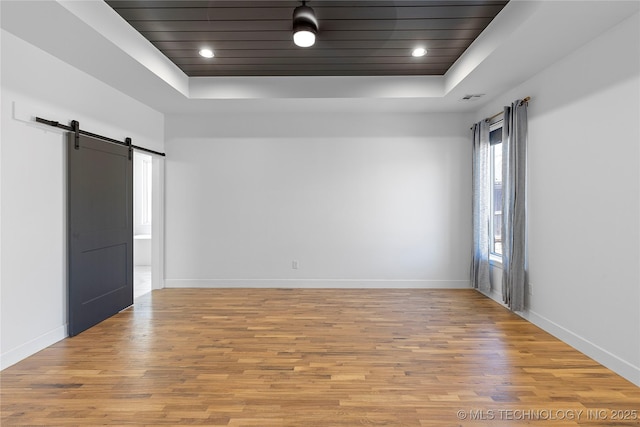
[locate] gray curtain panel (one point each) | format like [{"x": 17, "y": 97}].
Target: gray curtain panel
[
  {"x": 480, "y": 277},
  {"x": 514, "y": 204}
]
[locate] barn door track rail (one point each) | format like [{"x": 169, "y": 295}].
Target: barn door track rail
[{"x": 75, "y": 128}]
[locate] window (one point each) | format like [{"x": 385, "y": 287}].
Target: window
[{"x": 495, "y": 224}]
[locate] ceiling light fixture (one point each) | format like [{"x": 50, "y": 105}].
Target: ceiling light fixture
[
  {"x": 206, "y": 53},
  {"x": 418, "y": 52},
  {"x": 305, "y": 26}
]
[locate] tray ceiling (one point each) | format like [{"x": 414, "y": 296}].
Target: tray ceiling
[{"x": 355, "y": 38}]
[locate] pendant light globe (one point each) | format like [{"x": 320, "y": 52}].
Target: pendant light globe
[{"x": 305, "y": 26}]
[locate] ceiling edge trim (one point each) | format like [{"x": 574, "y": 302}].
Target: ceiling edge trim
[
  {"x": 497, "y": 32},
  {"x": 316, "y": 87},
  {"x": 105, "y": 21}
]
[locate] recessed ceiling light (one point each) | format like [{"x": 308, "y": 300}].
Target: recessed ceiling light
[
  {"x": 206, "y": 53},
  {"x": 419, "y": 51}
]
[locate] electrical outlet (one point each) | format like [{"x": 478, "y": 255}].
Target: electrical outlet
[
  {"x": 530, "y": 288},
  {"x": 294, "y": 264}
]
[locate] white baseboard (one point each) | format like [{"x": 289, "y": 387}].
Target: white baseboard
[
  {"x": 621, "y": 367},
  {"x": 494, "y": 295},
  {"x": 597, "y": 353},
  {"x": 317, "y": 283},
  {"x": 14, "y": 355}
]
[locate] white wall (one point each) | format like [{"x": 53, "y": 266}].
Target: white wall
[
  {"x": 584, "y": 197},
  {"x": 357, "y": 199},
  {"x": 32, "y": 230}
]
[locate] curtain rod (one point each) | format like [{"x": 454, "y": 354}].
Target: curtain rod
[{"x": 488, "y": 119}]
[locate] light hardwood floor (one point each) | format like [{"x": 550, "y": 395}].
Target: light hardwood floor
[{"x": 276, "y": 357}]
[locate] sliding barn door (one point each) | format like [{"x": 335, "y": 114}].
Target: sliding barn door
[{"x": 100, "y": 229}]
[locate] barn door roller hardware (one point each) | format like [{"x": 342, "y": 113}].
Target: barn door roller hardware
[{"x": 75, "y": 128}]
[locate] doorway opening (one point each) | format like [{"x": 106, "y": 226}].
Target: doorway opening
[{"x": 142, "y": 223}]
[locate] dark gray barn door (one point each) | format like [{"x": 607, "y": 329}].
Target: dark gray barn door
[{"x": 100, "y": 229}]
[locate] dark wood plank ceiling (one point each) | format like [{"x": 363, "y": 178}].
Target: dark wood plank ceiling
[{"x": 253, "y": 38}]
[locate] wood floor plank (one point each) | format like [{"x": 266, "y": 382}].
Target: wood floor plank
[{"x": 315, "y": 357}]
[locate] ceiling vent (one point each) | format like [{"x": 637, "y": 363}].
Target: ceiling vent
[{"x": 472, "y": 97}]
